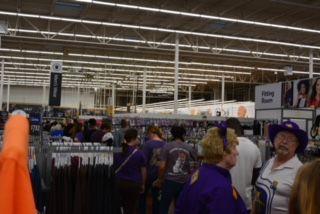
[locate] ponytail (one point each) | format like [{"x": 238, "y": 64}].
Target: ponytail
[
  {"x": 125, "y": 148},
  {"x": 130, "y": 135}
]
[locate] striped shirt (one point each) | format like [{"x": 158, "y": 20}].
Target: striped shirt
[{"x": 273, "y": 187}]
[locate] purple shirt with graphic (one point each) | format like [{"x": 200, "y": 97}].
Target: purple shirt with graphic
[
  {"x": 131, "y": 171},
  {"x": 152, "y": 151},
  {"x": 178, "y": 156}
]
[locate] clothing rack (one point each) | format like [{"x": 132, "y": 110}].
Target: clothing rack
[
  {"x": 311, "y": 153},
  {"x": 75, "y": 165}
]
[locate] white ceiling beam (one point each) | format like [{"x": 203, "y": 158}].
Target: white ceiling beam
[
  {"x": 157, "y": 29},
  {"x": 158, "y": 44},
  {"x": 201, "y": 16}
]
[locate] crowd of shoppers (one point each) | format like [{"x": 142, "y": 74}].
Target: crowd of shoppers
[
  {"x": 88, "y": 131},
  {"x": 157, "y": 177}
]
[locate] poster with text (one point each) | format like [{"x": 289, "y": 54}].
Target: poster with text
[{"x": 268, "y": 96}]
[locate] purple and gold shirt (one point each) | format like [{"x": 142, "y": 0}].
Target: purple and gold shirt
[{"x": 209, "y": 191}]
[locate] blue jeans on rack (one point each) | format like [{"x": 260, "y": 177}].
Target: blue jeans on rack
[{"x": 170, "y": 190}]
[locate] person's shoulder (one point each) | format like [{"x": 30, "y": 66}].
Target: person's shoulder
[
  {"x": 245, "y": 140},
  {"x": 139, "y": 152},
  {"x": 169, "y": 145},
  {"x": 186, "y": 145},
  {"x": 296, "y": 162}
]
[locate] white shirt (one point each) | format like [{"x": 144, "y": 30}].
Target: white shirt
[
  {"x": 249, "y": 158},
  {"x": 273, "y": 187}
]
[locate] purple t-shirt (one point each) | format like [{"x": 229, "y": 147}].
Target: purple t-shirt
[
  {"x": 178, "y": 157},
  {"x": 80, "y": 137},
  {"x": 131, "y": 171},
  {"x": 152, "y": 151},
  {"x": 210, "y": 190},
  {"x": 96, "y": 136}
]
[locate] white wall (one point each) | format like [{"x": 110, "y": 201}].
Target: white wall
[{"x": 34, "y": 95}]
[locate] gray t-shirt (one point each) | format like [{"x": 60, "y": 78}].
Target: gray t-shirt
[
  {"x": 178, "y": 156},
  {"x": 118, "y": 137}
]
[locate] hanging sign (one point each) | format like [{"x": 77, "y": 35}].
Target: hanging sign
[
  {"x": 268, "y": 96},
  {"x": 55, "y": 83}
]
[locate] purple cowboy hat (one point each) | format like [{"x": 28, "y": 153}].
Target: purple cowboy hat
[{"x": 293, "y": 128}]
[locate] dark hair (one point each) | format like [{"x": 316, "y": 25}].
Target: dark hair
[
  {"x": 92, "y": 122},
  {"x": 313, "y": 92},
  {"x": 235, "y": 124},
  {"x": 78, "y": 127},
  {"x": 106, "y": 124},
  {"x": 155, "y": 130},
  {"x": 124, "y": 123},
  {"x": 129, "y": 135},
  {"x": 178, "y": 132},
  {"x": 304, "y": 82}
]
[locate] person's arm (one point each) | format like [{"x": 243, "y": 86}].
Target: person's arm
[
  {"x": 257, "y": 166},
  {"x": 255, "y": 175},
  {"x": 161, "y": 173},
  {"x": 162, "y": 168}
]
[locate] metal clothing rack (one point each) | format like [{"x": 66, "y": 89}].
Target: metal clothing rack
[
  {"x": 90, "y": 153},
  {"x": 311, "y": 153}
]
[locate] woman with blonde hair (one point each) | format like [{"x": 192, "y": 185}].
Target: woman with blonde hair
[
  {"x": 210, "y": 189},
  {"x": 305, "y": 193},
  {"x": 152, "y": 150}
]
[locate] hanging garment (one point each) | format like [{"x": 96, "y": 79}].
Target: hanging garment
[{"x": 16, "y": 194}]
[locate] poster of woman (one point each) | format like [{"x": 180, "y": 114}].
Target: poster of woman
[
  {"x": 314, "y": 99},
  {"x": 301, "y": 92}
]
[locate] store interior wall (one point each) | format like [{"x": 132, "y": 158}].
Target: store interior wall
[{"x": 34, "y": 95}]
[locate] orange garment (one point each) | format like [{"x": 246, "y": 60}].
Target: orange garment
[{"x": 16, "y": 195}]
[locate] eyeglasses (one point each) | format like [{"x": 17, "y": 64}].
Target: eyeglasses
[{"x": 285, "y": 137}]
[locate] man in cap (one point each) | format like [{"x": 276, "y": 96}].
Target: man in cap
[{"x": 276, "y": 178}]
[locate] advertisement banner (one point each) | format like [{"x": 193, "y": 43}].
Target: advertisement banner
[
  {"x": 55, "y": 83},
  {"x": 301, "y": 91},
  {"x": 268, "y": 96}
]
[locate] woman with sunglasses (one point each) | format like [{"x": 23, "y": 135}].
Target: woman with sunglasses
[{"x": 130, "y": 170}]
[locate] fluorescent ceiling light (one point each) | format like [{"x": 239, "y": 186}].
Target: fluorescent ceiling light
[
  {"x": 155, "y": 67},
  {"x": 201, "y": 16},
  {"x": 107, "y": 71},
  {"x": 168, "y": 62},
  {"x": 128, "y": 65},
  {"x": 182, "y": 63},
  {"x": 109, "y": 75},
  {"x": 184, "y": 32},
  {"x": 72, "y": 35},
  {"x": 30, "y": 51},
  {"x": 99, "y": 78}
]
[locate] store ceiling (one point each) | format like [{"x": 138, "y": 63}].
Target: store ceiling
[{"x": 103, "y": 44}]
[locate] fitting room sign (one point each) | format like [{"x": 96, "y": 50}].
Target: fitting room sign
[
  {"x": 55, "y": 83},
  {"x": 268, "y": 96}
]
